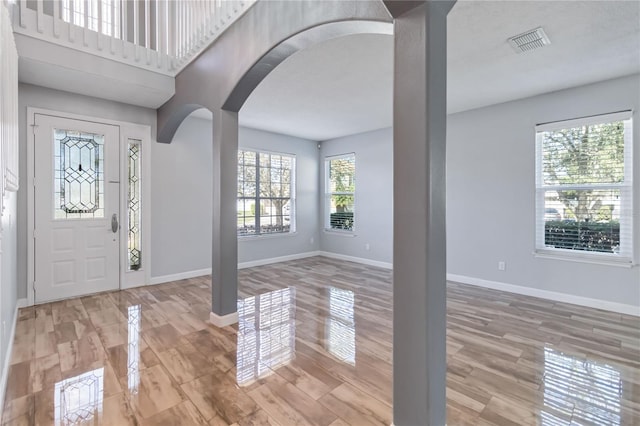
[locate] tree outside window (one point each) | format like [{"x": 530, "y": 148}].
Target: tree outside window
[
  {"x": 265, "y": 193},
  {"x": 584, "y": 184},
  {"x": 340, "y": 192}
]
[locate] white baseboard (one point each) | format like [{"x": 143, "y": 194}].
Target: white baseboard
[
  {"x": 370, "y": 262},
  {"x": 20, "y": 303},
  {"x": 260, "y": 262},
  {"x": 620, "y": 308},
  {"x": 180, "y": 276},
  {"x": 200, "y": 272},
  {"x": 224, "y": 320},
  {"x": 278, "y": 259}
]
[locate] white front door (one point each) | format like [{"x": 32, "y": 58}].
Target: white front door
[{"x": 76, "y": 207}]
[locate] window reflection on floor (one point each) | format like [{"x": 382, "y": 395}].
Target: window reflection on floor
[
  {"x": 266, "y": 334},
  {"x": 341, "y": 331},
  {"x": 133, "y": 351},
  {"x": 588, "y": 389},
  {"x": 79, "y": 399}
]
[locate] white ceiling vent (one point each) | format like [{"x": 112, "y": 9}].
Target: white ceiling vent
[{"x": 530, "y": 40}]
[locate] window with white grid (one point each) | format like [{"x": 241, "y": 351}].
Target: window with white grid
[
  {"x": 340, "y": 192},
  {"x": 584, "y": 187},
  {"x": 266, "y": 193}
]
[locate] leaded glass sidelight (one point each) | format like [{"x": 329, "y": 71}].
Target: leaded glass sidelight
[
  {"x": 78, "y": 175},
  {"x": 133, "y": 205}
]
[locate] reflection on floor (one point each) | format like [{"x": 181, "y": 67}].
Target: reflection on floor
[{"x": 313, "y": 346}]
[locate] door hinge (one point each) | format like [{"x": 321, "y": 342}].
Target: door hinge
[
  {"x": 33, "y": 128},
  {"x": 34, "y": 234}
]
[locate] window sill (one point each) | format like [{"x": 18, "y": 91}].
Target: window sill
[
  {"x": 594, "y": 259},
  {"x": 349, "y": 234},
  {"x": 244, "y": 238}
]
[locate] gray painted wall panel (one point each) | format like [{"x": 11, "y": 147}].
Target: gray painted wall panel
[
  {"x": 490, "y": 192},
  {"x": 181, "y": 202},
  {"x": 181, "y": 205},
  {"x": 491, "y": 187},
  {"x": 374, "y": 196},
  {"x": 181, "y": 187},
  {"x": 256, "y": 248}
]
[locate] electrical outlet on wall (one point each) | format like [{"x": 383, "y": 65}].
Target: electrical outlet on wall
[
  {"x": 311, "y": 240},
  {"x": 502, "y": 265},
  {"x": 367, "y": 247}
]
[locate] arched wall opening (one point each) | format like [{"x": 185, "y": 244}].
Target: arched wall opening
[
  {"x": 329, "y": 100},
  {"x": 222, "y": 78}
]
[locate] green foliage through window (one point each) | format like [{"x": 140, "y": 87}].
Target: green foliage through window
[
  {"x": 584, "y": 184},
  {"x": 340, "y": 191},
  {"x": 265, "y": 180}
]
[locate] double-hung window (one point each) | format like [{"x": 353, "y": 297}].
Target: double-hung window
[
  {"x": 584, "y": 187},
  {"x": 266, "y": 193},
  {"x": 340, "y": 191}
]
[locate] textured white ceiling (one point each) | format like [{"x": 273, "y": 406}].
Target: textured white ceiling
[
  {"x": 344, "y": 86},
  {"x": 339, "y": 87}
]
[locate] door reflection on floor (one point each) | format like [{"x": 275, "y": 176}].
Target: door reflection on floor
[{"x": 79, "y": 399}]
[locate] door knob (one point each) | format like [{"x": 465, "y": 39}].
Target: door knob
[{"x": 114, "y": 223}]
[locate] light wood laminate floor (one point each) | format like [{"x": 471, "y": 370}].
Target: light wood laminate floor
[{"x": 313, "y": 346}]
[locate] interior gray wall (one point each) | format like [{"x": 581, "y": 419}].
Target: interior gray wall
[
  {"x": 181, "y": 197},
  {"x": 491, "y": 187},
  {"x": 374, "y": 196},
  {"x": 482, "y": 164},
  {"x": 490, "y": 193},
  {"x": 55, "y": 100},
  {"x": 305, "y": 239},
  {"x": 8, "y": 272},
  {"x": 181, "y": 200}
]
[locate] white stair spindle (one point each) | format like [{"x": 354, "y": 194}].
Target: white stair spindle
[
  {"x": 147, "y": 30},
  {"x": 99, "y": 25},
  {"x": 56, "y": 18},
  {"x": 124, "y": 24},
  {"x": 203, "y": 21},
  {"x": 182, "y": 25},
  {"x": 86, "y": 23},
  {"x": 158, "y": 29},
  {"x": 161, "y": 26},
  {"x": 187, "y": 28},
  {"x": 113, "y": 26},
  {"x": 40, "y": 16},
  {"x": 72, "y": 27},
  {"x": 136, "y": 30},
  {"x": 173, "y": 29},
  {"x": 207, "y": 14},
  {"x": 23, "y": 11}
]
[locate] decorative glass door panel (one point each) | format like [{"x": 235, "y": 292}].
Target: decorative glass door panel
[
  {"x": 76, "y": 207},
  {"x": 79, "y": 175}
]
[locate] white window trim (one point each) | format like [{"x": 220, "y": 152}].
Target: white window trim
[
  {"x": 327, "y": 196},
  {"x": 611, "y": 259},
  {"x": 292, "y": 213}
]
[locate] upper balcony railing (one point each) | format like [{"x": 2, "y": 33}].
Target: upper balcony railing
[{"x": 160, "y": 35}]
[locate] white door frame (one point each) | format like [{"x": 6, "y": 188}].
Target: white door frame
[{"x": 128, "y": 279}]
